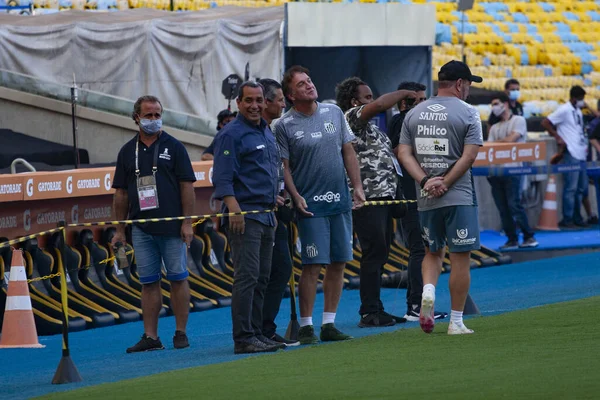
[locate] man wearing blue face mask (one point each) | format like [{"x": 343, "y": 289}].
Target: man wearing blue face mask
[
  {"x": 154, "y": 179},
  {"x": 512, "y": 88}
]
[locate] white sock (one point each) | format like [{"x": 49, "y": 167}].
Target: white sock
[
  {"x": 305, "y": 321},
  {"x": 429, "y": 288},
  {"x": 456, "y": 317},
  {"x": 328, "y": 318}
]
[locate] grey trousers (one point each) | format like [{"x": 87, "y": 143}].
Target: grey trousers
[{"x": 251, "y": 252}]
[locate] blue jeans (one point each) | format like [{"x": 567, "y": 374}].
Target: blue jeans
[
  {"x": 506, "y": 192},
  {"x": 152, "y": 251},
  {"x": 575, "y": 188}
]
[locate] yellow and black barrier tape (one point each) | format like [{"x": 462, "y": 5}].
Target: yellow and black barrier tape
[
  {"x": 29, "y": 237},
  {"x": 387, "y": 202},
  {"x": 166, "y": 219}
]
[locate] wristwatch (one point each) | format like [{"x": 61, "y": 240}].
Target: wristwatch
[{"x": 424, "y": 181}]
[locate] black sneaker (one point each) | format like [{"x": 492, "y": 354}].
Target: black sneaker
[
  {"x": 511, "y": 244},
  {"x": 413, "y": 312},
  {"x": 252, "y": 345},
  {"x": 146, "y": 344},
  {"x": 567, "y": 225},
  {"x": 281, "y": 339},
  {"x": 593, "y": 220},
  {"x": 270, "y": 342},
  {"x": 399, "y": 320},
  {"x": 180, "y": 340},
  {"x": 306, "y": 335},
  {"x": 529, "y": 242},
  {"x": 581, "y": 224},
  {"x": 329, "y": 333},
  {"x": 376, "y": 320}
]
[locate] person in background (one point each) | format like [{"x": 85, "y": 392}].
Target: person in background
[
  {"x": 281, "y": 263},
  {"x": 316, "y": 148},
  {"x": 566, "y": 126},
  {"x": 512, "y": 89},
  {"x": 593, "y": 133},
  {"x": 439, "y": 143},
  {"x": 379, "y": 170},
  {"x": 154, "y": 179},
  {"x": 245, "y": 178},
  {"x": 410, "y": 225},
  {"x": 506, "y": 190},
  {"x": 223, "y": 118}
]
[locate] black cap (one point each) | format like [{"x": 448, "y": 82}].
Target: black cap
[
  {"x": 455, "y": 70},
  {"x": 225, "y": 114}
]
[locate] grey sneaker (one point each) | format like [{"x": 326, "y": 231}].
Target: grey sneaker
[
  {"x": 253, "y": 345},
  {"x": 270, "y": 342},
  {"x": 511, "y": 244},
  {"x": 530, "y": 242}
]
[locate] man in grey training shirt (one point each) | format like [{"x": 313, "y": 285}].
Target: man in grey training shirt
[
  {"x": 316, "y": 147},
  {"x": 439, "y": 142}
]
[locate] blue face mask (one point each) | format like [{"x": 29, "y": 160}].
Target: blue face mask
[
  {"x": 151, "y": 126},
  {"x": 514, "y": 95}
]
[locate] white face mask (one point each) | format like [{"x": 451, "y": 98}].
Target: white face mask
[
  {"x": 580, "y": 104},
  {"x": 514, "y": 95},
  {"x": 498, "y": 109}
]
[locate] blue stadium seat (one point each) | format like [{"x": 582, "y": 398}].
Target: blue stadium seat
[
  {"x": 547, "y": 7},
  {"x": 594, "y": 15},
  {"x": 570, "y": 16},
  {"x": 520, "y": 17},
  {"x": 562, "y": 27},
  {"x": 443, "y": 33}
]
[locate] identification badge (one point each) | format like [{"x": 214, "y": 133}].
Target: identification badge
[{"x": 147, "y": 193}]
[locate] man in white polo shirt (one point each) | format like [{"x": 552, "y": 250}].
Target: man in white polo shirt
[{"x": 566, "y": 126}]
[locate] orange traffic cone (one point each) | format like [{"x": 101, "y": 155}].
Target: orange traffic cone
[
  {"x": 549, "y": 216},
  {"x": 18, "y": 328}
]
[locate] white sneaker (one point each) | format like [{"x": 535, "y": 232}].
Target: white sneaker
[
  {"x": 458, "y": 329},
  {"x": 426, "y": 317}
]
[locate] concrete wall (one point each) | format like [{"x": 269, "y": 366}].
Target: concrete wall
[{"x": 101, "y": 134}]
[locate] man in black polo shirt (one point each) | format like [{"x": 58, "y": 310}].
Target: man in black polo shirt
[
  {"x": 245, "y": 178},
  {"x": 154, "y": 179}
]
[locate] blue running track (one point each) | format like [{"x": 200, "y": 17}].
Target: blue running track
[{"x": 100, "y": 353}]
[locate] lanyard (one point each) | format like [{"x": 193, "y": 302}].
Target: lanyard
[{"x": 155, "y": 161}]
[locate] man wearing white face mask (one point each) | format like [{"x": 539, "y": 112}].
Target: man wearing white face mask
[
  {"x": 506, "y": 190},
  {"x": 154, "y": 179},
  {"x": 566, "y": 126},
  {"x": 512, "y": 88}
]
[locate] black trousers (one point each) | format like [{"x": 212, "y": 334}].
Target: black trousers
[
  {"x": 413, "y": 240},
  {"x": 373, "y": 226},
  {"x": 411, "y": 231},
  {"x": 251, "y": 253},
  {"x": 281, "y": 269}
]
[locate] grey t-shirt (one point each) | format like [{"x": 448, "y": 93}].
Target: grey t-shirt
[
  {"x": 438, "y": 129},
  {"x": 502, "y": 129},
  {"x": 313, "y": 146}
]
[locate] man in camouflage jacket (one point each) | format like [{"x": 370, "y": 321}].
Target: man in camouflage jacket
[{"x": 379, "y": 170}]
